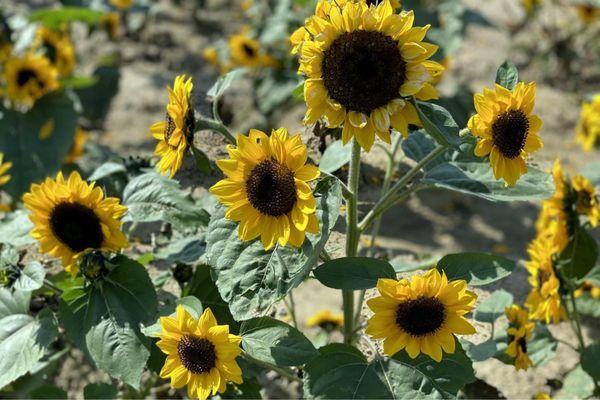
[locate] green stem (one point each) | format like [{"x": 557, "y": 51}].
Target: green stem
[
  {"x": 352, "y": 237},
  {"x": 53, "y": 287},
  {"x": 577, "y": 325},
  {"x": 213, "y": 125},
  {"x": 283, "y": 372},
  {"x": 292, "y": 309}
]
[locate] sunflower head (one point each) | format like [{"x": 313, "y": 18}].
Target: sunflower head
[
  {"x": 57, "y": 47},
  {"x": 586, "y": 199},
  {"x": 588, "y": 287},
  {"x": 421, "y": 315},
  {"x": 588, "y": 127},
  {"x": 520, "y": 331},
  {"x": 588, "y": 13},
  {"x": 200, "y": 353},
  {"x": 29, "y": 77},
  {"x": 326, "y": 320},
  {"x": 122, "y": 4},
  {"x": 175, "y": 133},
  {"x": 77, "y": 148},
  {"x": 506, "y": 129},
  {"x": 4, "y": 167},
  {"x": 361, "y": 62},
  {"x": 72, "y": 217},
  {"x": 248, "y": 52},
  {"x": 266, "y": 188}
]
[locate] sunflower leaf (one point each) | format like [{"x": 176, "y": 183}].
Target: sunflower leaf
[
  {"x": 493, "y": 307},
  {"x": 507, "y": 75},
  {"x": 580, "y": 256},
  {"x": 335, "y": 157},
  {"x": 439, "y": 124},
  {"x": 31, "y": 278},
  {"x": 478, "y": 269},
  {"x": 57, "y": 17},
  {"x": 589, "y": 360},
  {"x": 353, "y": 273}
]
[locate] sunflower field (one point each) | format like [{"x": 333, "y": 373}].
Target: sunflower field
[{"x": 331, "y": 199}]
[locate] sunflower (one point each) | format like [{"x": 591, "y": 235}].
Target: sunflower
[
  {"x": 57, "y": 47},
  {"x": 519, "y": 332},
  {"x": 588, "y": 287},
  {"x": 507, "y": 129},
  {"x": 588, "y": 13},
  {"x": 77, "y": 147},
  {"x": 588, "y": 127},
  {"x": 28, "y": 78},
  {"x": 122, "y": 4},
  {"x": 247, "y": 52},
  {"x": 543, "y": 396},
  {"x": 586, "y": 199},
  {"x": 326, "y": 320},
  {"x": 361, "y": 63},
  {"x": 421, "y": 315},
  {"x": 554, "y": 221},
  {"x": 175, "y": 133},
  {"x": 544, "y": 300},
  {"x": 4, "y": 167},
  {"x": 71, "y": 217},
  {"x": 267, "y": 189},
  {"x": 200, "y": 353}
]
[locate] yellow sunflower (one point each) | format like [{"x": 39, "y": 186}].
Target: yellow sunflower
[
  {"x": 326, "y": 320},
  {"x": 553, "y": 221},
  {"x": 176, "y": 132},
  {"x": 77, "y": 147},
  {"x": 588, "y": 13},
  {"x": 588, "y": 287},
  {"x": 421, "y": 315},
  {"x": 588, "y": 127},
  {"x": 71, "y": 217},
  {"x": 506, "y": 128},
  {"x": 57, "y": 47},
  {"x": 361, "y": 64},
  {"x": 519, "y": 332},
  {"x": 200, "y": 353},
  {"x": 586, "y": 199},
  {"x": 247, "y": 52},
  {"x": 543, "y": 396},
  {"x": 122, "y": 4},
  {"x": 544, "y": 300},
  {"x": 4, "y": 167},
  {"x": 267, "y": 189},
  {"x": 29, "y": 77}
]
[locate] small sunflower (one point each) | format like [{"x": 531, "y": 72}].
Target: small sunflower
[
  {"x": 421, "y": 315},
  {"x": 544, "y": 301},
  {"x": 57, "y": 47},
  {"x": 247, "y": 52},
  {"x": 71, "y": 217},
  {"x": 519, "y": 332},
  {"x": 77, "y": 147},
  {"x": 506, "y": 128},
  {"x": 28, "y": 78},
  {"x": 588, "y": 287},
  {"x": 122, "y": 4},
  {"x": 586, "y": 199},
  {"x": 175, "y": 133},
  {"x": 4, "y": 167},
  {"x": 200, "y": 353},
  {"x": 553, "y": 220},
  {"x": 543, "y": 396},
  {"x": 588, "y": 13},
  {"x": 588, "y": 127},
  {"x": 267, "y": 189},
  {"x": 361, "y": 64},
  {"x": 326, "y": 320}
]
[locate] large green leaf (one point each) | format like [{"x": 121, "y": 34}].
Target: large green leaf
[
  {"x": 187, "y": 250},
  {"x": 589, "y": 360},
  {"x": 493, "y": 307},
  {"x": 477, "y": 269},
  {"x": 507, "y": 75},
  {"x": 223, "y": 83},
  {"x": 33, "y": 158},
  {"x": 15, "y": 229},
  {"x": 57, "y": 17},
  {"x": 336, "y": 155},
  {"x": 100, "y": 391},
  {"x": 24, "y": 339},
  {"x": 251, "y": 279},
  {"x": 96, "y": 99},
  {"x": 576, "y": 385},
  {"x": 152, "y": 197},
  {"x": 31, "y": 278},
  {"x": 418, "y": 145},
  {"x": 353, "y": 273},
  {"x": 580, "y": 256},
  {"x": 477, "y": 179},
  {"x": 105, "y": 322},
  {"x": 273, "y": 341},
  {"x": 439, "y": 124},
  {"x": 341, "y": 373}
]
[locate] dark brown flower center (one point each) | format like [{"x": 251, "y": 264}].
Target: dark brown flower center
[
  {"x": 76, "y": 226},
  {"x": 363, "y": 70},
  {"x": 197, "y": 355},
  {"x": 249, "y": 50},
  {"x": 421, "y": 316},
  {"x": 25, "y": 75},
  {"x": 584, "y": 200},
  {"x": 522, "y": 344},
  {"x": 271, "y": 188},
  {"x": 169, "y": 128},
  {"x": 509, "y": 132},
  {"x": 50, "y": 51},
  {"x": 542, "y": 277}
]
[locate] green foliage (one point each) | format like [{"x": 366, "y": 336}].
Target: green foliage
[
  {"x": 251, "y": 279},
  {"x": 223, "y": 83},
  {"x": 589, "y": 360},
  {"x": 577, "y": 385},
  {"x": 478, "y": 269},
  {"x": 439, "y": 124},
  {"x": 31, "y": 277},
  {"x": 507, "y": 75},
  {"x": 15, "y": 228},
  {"x": 93, "y": 391},
  {"x": 57, "y": 17},
  {"x": 275, "y": 342},
  {"x": 336, "y": 155},
  {"x": 48, "y": 392},
  {"x": 481, "y": 351},
  {"x": 493, "y": 307},
  {"x": 580, "y": 256},
  {"x": 417, "y": 146},
  {"x": 97, "y": 98},
  {"x": 353, "y": 273},
  {"x": 186, "y": 250}
]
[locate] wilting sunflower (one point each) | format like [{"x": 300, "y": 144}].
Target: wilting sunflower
[
  {"x": 77, "y": 147},
  {"x": 361, "y": 64},
  {"x": 4, "y": 167},
  {"x": 588, "y": 127},
  {"x": 519, "y": 332},
  {"x": 267, "y": 189},
  {"x": 326, "y": 320},
  {"x": 29, "y": 77},
  {"x": 122, "y": 4},
  {"x": 588, "y": 287},
  {"x": 586, "y": 199},
  {"x": 72, "y": 217},
  {"x": 247, "y": 52},
  {"x": 506, "y": 128},
  {"x": 57, "y": 47},
  {"x": 588, "y": 13},
  {"x": 544, "y": 300},
  {"x": 200, "y": 353},
  {"x": 175, "y": 133},
  {"x": 421, "y": 315}
]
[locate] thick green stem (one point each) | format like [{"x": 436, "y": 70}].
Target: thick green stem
[
  {"x": 577, "y": 320},
  {"x": 213, "y": 125},
  {"x": 283, "y": 372},
  {"x": 292, "y": 309},
  {"x": 352, "y": 237}
]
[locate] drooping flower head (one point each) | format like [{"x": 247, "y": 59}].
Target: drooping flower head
[
  {"x": 421, "y": 315},
  {"x": 519, "y": 332},
  {"x": 588, "y": 127},
  {"x": 57, "y": 47},
  {"x": 326, "y": 320},
  {"x": 200, "y": 353},
  {"x": 175, "y": 133},
  {"x": 72, "y": 217},
  {"x": 266, "y": 188},
  {"x": 506, "y": 128},
  {"x": 361, "y": 64},
  {"x": 4, "y": 167},
  {"x": 29, "y": 77}
]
